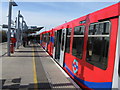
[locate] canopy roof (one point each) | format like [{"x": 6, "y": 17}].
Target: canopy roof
[{"x": 34, "y": 30}]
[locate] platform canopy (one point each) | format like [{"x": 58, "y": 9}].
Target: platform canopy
[
  {"x": 6, "y": 26},
  {"x": 33, "y": 30}
]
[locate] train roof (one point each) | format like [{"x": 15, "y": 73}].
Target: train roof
[{"x": 102, "y": 14}]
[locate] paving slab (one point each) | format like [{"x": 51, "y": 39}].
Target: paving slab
[{"x": 18, "y": 71}]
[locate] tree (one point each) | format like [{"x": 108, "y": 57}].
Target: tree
[{"x": 3, "y": 36}]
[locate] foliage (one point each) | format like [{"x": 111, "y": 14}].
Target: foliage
[{"x": 3, "y": 36}]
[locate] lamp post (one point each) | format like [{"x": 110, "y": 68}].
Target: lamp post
[
  {"x": 25, "y": 28},
  {"x": 21, "y": 34},
  {"x": 19, "y": 30},
  {"x": 11, "y": 3}
]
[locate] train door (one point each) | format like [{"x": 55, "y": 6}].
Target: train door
[
  {"x": 119, "y": 74},
  {"x": 116, "y": 74},
  {"x": 62, "y": 47},
  {"x": 57, "y": 45},
  {"x": 119, "y": 54},
  {"x": 55, "y": 35}
]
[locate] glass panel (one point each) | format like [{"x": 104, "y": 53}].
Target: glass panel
[
  {"x": 45, "y": 38},
  {"x": 77, "y": 47},
  {"x": 78, "y": 41},
  {"x": 119, "y": 67},
  {"x": 42, "y": 36},
  {"x": 97, "y": 51},
  {"x": 67, "y": 45},
  {"x": 58, "y": 43},
  {"x": 79, "y": 30},
  {"x": 97, "y": 47},
  {"x": 69, "y": 30},
  {"x": 55, "y": 39},
  {"x": 63, "y": 41},
  {"x": 48, "y": 37},
  {"x": 106, "y": 28},
  {"x": 67, "y": 49}
]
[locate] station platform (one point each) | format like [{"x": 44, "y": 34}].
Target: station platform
[{"x": 31, "y": 68}]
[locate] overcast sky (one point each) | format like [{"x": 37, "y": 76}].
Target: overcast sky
[{"x": 51, "y": 14}]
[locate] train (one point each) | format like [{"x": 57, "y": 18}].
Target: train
[{"x": 88, "y": 48}]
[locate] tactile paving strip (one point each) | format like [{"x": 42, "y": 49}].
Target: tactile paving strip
[{"x": 55, "y": 76}]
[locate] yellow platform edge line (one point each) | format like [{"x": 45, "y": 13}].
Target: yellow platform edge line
[{"x": 34, "y": 70}]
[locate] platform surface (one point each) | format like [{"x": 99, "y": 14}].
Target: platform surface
[{"x": 32, "y": 68}]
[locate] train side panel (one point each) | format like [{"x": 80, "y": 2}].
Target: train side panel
[{"x": 90, "y": 47}]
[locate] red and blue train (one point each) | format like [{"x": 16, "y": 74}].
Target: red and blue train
[{"x": 88, "y": 48}]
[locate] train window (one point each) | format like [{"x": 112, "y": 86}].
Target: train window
[
  {"x": 55, "y": 39},
  {"x": 67, "y": 50},
  {"x": 98, "y": 44},
  {"x": 44, "y": 38},
  {"x": 63, "y": 40},
  {"x": 78, "y": 41},
  {"x": 48, "y": 37}
]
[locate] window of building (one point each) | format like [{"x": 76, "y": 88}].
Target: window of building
[
  {"x": 68, "y": 34},
  {"x": 98, "y": 44},
  {"x": 78, "y": 40}
]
